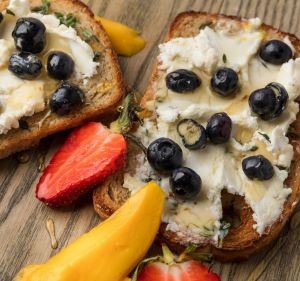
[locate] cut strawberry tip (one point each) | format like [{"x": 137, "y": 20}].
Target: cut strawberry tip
[{"x": 90, "y": 154}]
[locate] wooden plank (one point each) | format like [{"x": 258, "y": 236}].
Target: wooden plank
[{"x": 24, "y": 238}]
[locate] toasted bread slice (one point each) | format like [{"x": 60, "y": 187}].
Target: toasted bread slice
[
  {"x": 242, "y": 240},
  {"x": 102, "y": 92}
]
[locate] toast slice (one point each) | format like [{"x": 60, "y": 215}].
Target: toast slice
[
  {"x": 242, "y": 240},
  {"x": 103, "y": 91}
]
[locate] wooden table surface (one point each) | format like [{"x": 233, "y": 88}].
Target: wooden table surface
[{"x": 23, "y": 236}]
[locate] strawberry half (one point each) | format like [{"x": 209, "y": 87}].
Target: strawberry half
[
  {"x": 171, "y": 268},
  {"x": 90, "y": 154}
]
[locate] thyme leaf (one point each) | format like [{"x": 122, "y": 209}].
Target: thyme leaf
[
  {"x": 10, "y": 12},
  {"x": 224, "y": 58},
  {"x": 265, "y": 136},
  {"x": 69, "y": 20},
  {"x": 44, "y": 8}
]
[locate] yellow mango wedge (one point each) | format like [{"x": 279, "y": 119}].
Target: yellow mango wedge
[
  {"x": 125, "y": 40},
  {"x": 111, "y": 250}
]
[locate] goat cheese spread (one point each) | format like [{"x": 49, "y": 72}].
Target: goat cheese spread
[
  {"x": 219, "y": 166},
  {"x": 19, "y": 97}
]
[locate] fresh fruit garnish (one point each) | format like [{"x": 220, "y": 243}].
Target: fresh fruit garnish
[
  {"x": 219, "y": 128},
  {"x": 185, "y": 183},
  {"x": 90, "y": 154},
  {"x": 192, "y": 133},
  {"x": 171, "y": 268},
  {"x": 125, "y": 40},
  {"x": 182, "y": 81},
  {"x": 164, "y": 155},
  {"x": 224, "y": 81},
  {"x": 276, "y": 52},
  {"x": 60, "y": 65},
  {"x": 25, "y": 65},
  {"x": 111, "y": 250},
  {"x": 29, "y": 35},
  {"x": 65, "y": 98},
  {"x": 269, "y": 102},
  {"x": 258, "y": 167}
]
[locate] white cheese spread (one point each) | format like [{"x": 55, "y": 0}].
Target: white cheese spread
[
  {"x": 13, "y": 104},
  {"x": 219, "y": 166}
]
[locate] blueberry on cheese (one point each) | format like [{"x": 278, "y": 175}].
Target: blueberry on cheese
[
  {"x": 182, "y": 81},
  {"x": 192, "y": 133},
  {"x": 60, "y": 65},
  {"x": 258, "y": 167},
  {"x": 25, "y": 65},
  {"x": 185, "y": 183},
  {"x": 269, "y": 102},
  {"x": 224, "y": 81},
  {"x": 219, "y": 128},
  {"x": 276, "y": 52},
  {"x": 164, "y": 155},
  {"x": 30, "y": 35}
]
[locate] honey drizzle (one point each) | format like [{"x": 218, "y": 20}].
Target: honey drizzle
[{"x": 51, "y": 230}]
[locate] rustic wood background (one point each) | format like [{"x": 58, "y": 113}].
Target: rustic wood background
[{"x": 23, "y": 236}]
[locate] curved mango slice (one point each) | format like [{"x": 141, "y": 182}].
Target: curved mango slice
[
  {"x": 112, "y": 249},
  {"x": 125, "y": 40}
]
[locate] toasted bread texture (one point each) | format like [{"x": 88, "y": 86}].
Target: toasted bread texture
[
  {"x": 103, "y": 91},
  {"x": 242, "y": 240}
]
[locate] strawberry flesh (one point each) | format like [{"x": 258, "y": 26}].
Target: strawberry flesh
[
  {"x": 186, "y": 271},
  {"x": 90, "y": 154}
]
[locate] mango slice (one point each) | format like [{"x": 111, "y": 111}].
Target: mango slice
[
  {"x": 125, "y": 40},
  {"x": 112, "y": 249}
]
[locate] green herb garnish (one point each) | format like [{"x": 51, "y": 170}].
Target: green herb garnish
[
  {"x": 281, "y": 168},
  {"x": 224, "y": 230},
  {"x": 96, "y": 56},
  {"x": 69, "y": 20},
  {"x": 88, "y": 35},
  {"x": 253, "y": 148},
  {"x": 207, "y": 232},
  {"x": 203, "y": 25},
  {"x": 10, "y": 12},
  {"x": 265, "y": 136},
  {"x": 44, "y": 8},
  {"x": 224, "y": 58}
]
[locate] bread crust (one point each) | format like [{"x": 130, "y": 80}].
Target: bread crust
[
  {"x": 100, "y": 100},
  {"x": 242, "y": 240}
]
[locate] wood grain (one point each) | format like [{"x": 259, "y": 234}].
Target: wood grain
[{"x": 24, "y": 238}]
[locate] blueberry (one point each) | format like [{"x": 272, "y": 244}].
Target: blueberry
[
  {"x": 258, "y": 167},
  {"x": 164, "y": 155},
  {"x": 182, "y": 81},
  {"x": 65, "y": 98},
  {"x": 276, "y": 52},
  {"x": 60, "y": 65},
  {"x": 192, "y": 133},
  {"x": 185, "y": 183},
  {"x": 219, "y": 128},
  {"x": 29, "y": 35},
  {"x": 25, "y": 65},
  {"x": 224, "y": 81},
  {"x": 269, "y": 102}
]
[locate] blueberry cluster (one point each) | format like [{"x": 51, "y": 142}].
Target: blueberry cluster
[
  {"x": 30, "y": 39},
  {"x": 165, "y": 156}
]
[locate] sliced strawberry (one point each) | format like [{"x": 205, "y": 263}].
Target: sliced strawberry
[
  {"x": 186, "y": 271},
  {"x": 174, "y": 268},
  {"x": 90, "y": 154}
]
